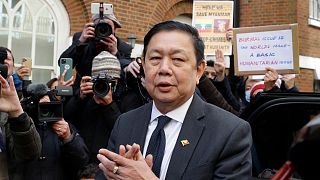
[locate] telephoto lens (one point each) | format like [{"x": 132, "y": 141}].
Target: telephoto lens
[
  {"x": 101, "y": 85},
  {"x": 102, "y": 29}
]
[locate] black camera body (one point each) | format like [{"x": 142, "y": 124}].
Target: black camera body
[
  {"x": 101, "y": 85},
  {"x": 3, "y": 68},
  {"x": 46, "y": 111},
  {"x": 102, "y": 29},
  {"x": 50, "y": 111},
  {"x": 4, "y": 71},
  {"x": 141, "y": 74}
]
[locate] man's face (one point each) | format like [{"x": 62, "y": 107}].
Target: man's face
[
  {"x": 210, "y": 72},
  {"x": 9, "y": 63},
  {"x": 171, "y": 73}
]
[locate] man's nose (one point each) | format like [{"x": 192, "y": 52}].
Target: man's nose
[{"x": 165, "y": 66}]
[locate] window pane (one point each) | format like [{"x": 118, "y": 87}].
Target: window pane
[
  {"x": 44, "y": 50},
  {"x": 45, "y": 22},
  {"x": 21, "y": 45},
  {"x": 22, "y": 19},
  {"x": 14, "y": 3},
  {"x": 44, "y": 39},
  {"x": 41, "y": 75},
  {"x": 4, "y": 38},
  {"x": 4, "y": 18}
]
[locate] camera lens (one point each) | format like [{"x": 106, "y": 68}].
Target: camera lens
[
  {"x": 101, "y": 88},
  {"x": 63, "y": 61},
  {"x": 45, "y": 112},
  {"x": 103, "y": 29}
]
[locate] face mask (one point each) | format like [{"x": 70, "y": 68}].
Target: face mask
[{"x": 247, "y": 95}]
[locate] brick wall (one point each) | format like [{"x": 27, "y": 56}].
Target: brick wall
[
  {"x": 271, "y": 12},
  {"x": 304, "y": 81},
  {"x": 136, "y": 16}
]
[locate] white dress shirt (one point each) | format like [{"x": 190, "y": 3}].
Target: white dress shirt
[{"x": 171, "y": 130}]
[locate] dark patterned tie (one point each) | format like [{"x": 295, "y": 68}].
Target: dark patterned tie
[
  {"x": 157, "y": 144},
  {"x": 2, "y": 147}
]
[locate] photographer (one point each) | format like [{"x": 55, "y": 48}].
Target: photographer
[
  {"x": 85, "y": 45},
  {"x": 93, "y": 111},
  {"x": 19, "y": 140},
  {"x": 63, "y": 152}
]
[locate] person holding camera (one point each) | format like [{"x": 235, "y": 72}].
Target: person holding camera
[
  {"x": 93, "y": 109},
  {"x": 96, "y": 36},
  {"x": 19, "y": 139},
  {"x": 63, "y": 151}
]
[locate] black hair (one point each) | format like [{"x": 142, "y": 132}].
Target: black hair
[
  {"x": 174, "y": 25},
  {"x": 51, "y": 81},
  {"x": 89, "y": 171},
  {"x": 4, "y": 54},
  {"x": 210, "y": 63}
]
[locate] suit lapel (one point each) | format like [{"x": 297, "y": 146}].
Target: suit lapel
[
  {"x": 140, "y": 126},
  {"x": 191, "y": 131}
]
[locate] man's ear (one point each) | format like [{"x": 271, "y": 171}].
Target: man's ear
[{"x": 200, "y": 69}]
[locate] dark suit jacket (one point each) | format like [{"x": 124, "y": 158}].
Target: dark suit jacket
[{"x": 219, "y": 145}]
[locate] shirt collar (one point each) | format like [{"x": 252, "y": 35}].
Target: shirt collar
[{"x": 177, "y": 114}]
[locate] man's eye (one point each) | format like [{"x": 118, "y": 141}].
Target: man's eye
[{"x": 155, "y": 58}]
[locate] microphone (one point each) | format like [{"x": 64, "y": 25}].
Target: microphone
[{"x": 37, "y": 91}]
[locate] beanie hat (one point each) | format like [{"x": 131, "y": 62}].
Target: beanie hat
[
  {"x": 106, "y": 63},
  {"x": 257, "y": 86},
  {"x": 112, "y": 17}
]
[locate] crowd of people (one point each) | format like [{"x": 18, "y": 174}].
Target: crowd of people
[{"x": 167, "y": 115}]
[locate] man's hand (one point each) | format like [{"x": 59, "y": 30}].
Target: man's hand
[
  {"x": 87, "y": 32},
  {"x": 62, "y": 129},
  {"x": 111, "y": 43},
  {"x": 115, "y": 166},
  {"x": 61, "y": 81},
  {"x": 288, "y": 80},
  {"x": 23, "y": 71},
  {"x": 85, "y": 86},
  {"x": 133, "y": 68},
  {"x": 9, "y": 100},
  {"x": 219, "y": 65},
  {"x": 270, "y": 78}
]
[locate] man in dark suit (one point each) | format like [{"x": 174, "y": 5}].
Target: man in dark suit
[{"x": 198, "y": 140}]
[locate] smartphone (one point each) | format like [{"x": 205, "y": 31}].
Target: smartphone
[
  {"x": 66, "y": 63},
  {"x": 107, "y": 8},
  {"x": 27, "y": 62}
]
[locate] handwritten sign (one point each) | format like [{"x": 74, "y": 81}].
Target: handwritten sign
[
  {"x": 212, "y": 19},
  {"x": 259, "y": 47}
]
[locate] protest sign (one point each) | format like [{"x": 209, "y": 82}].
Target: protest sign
[
  {"x": 258, "y": 47},
  {"x": 212, "y": 19}
]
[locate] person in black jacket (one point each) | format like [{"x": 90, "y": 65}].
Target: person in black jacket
[
  {"x": 63, "y": 151},
  {"x": 93, "y": 116},
  {"x": 86, "y": 46}
]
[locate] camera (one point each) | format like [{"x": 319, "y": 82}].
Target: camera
[
  {"x": 3, "y": 68},
  {"x": 4, "y": 71},
  {"x": 46, "y": 111},
  {"x": 50, "y": 111},
  {"x": 101, "y": 85},
  {"x": 141, "y": 74},
  {"x": 102, "y": 29}
]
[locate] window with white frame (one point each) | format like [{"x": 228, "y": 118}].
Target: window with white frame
[
  {"x": 29, "y": 28},
  {"x": 314, "y": 13}
]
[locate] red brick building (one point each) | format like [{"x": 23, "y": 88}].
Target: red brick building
[{"x": 137, "y": 16}]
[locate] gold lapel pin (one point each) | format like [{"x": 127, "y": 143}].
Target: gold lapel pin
[{"x": 184, "y": 142}]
